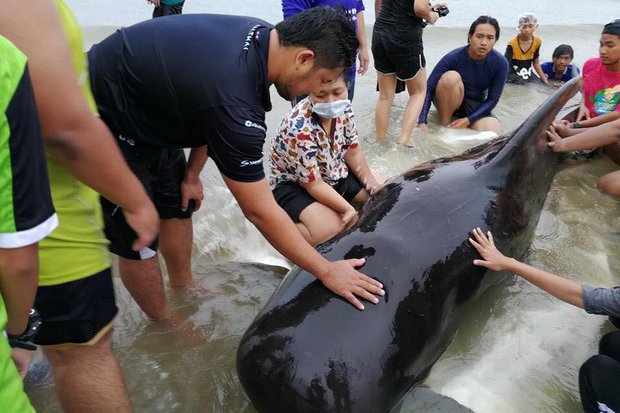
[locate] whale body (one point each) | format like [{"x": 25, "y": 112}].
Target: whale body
[{"x": 308, "y": 350}]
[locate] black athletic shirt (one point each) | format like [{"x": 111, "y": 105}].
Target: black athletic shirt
[
  {"x": 189, "y": 80},
  {"x": 397, "y": 18}
]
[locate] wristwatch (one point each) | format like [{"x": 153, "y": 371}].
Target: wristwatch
[
  {"x": 24, "y": 340},
  {"x": 576, "y": 125}
]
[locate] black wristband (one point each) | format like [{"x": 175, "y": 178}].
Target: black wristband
[
  {"x": 576, "y": 125},
  {"x": 24, "y": 340}
]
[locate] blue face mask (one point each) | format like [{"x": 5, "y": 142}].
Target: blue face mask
[{"x": 331, "y": 110}]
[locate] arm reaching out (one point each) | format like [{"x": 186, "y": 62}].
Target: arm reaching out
[
  {"x": 566, "y": 290},
  {"x": 589, "y": 138},
  {"x": 259, "y": 206}
]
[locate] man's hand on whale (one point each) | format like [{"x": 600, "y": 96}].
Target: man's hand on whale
[
  {"x": 259, "y": 206},
  {"x": 344, "y": 280}
]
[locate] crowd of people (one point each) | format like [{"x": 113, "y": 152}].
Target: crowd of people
[{"x": 108, "y": 166}]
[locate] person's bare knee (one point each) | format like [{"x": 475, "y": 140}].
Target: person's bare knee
[
  {"x": 488, "y": 123},
  {"x": 322, "y": 222},
  {"x": 610, "y": 183},
  {"x": 449, "y": 95},
  {"x": 450, "y": 80}
]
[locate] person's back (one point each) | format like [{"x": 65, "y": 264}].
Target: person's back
[
  {"x": 399, "y": 16},
  {"x": 176, "y": 109}
]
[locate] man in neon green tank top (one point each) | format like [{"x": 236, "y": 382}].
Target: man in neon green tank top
[
  {"x": 76, "y": 296},
  {"x": 26, "y": 216}
]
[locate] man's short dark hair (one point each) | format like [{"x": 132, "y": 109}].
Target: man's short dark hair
[
  {"x": 329, "y": 32},
  {"x": 563, "y": 49},
  {"x": 484, "y": 20}
]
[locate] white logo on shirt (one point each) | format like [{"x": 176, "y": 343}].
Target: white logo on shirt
[
  {"x": 126, "y": 139},
  {"x": 251, "y": 163},
  {"x": 248, "y": 38},
  {"x": 250, "y": 124}
]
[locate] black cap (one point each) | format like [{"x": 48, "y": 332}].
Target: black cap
[{"x": 612, "y": 28}]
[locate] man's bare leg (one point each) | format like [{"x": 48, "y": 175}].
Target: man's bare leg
[
  {"x": 88, "y": 378},
  {"x": 449, "y": 95},
  {"x": 143, "y": 280},
  {"x": 175, "y": 244}
]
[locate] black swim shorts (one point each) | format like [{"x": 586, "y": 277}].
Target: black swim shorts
[
  {"x": 161, "y": 171},
  {"x": 405, "y": 59},
  {"x": 76, "y": 312},
  {"x": 468, "y": 106},
  {"x": 294, "y": 199}
]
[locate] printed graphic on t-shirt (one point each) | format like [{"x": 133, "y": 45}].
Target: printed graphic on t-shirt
[{"x": 606, "y": 100}]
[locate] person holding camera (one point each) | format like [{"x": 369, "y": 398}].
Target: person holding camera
[{"x": 399, "y": 55}]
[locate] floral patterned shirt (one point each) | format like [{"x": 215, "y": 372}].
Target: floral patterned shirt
[{"x": 302, "y": 151}]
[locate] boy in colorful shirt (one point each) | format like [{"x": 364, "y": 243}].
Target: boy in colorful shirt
[
  {"x": 311, "y": 156},
  {"x": 523, "y": 50}
]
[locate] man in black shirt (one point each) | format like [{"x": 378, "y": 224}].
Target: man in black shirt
[{"x": 193, "y": 81}]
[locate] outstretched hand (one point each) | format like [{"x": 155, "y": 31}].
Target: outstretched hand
[
  {"x": 484, "y": 244},
  {"x": 343, "y": 279}
]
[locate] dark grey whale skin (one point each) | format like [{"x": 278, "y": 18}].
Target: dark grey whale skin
[{"x": 309, "y": 350}]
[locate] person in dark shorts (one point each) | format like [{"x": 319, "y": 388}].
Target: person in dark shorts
[
  {"x": 26, "y": 216},
  {"x": 317, "y": 166},
  {"x": 399, "y": 55},
  {"x": 75, "y": 297},
  {"x": 220, "y": 101},
  {"x": 599, "y": 376},
  {"x": 167, "y": 7},
  {"x": 467, "y": 83}
]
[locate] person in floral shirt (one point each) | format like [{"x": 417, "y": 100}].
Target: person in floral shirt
[{"x": 318, "y": 170}]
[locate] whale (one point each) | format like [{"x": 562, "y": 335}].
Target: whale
[{"x": 309, "y": 350}]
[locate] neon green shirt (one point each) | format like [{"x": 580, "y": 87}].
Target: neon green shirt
[
  {"x": 12, "y": 396},
  {"x": 78, "y": 248}
]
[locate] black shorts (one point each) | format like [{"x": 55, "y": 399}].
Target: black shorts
[
  {"x": 403, "y": 58},
  {"x": 468, "y": 106},
  {"x": 294, "y": 199},
  {"x": 77, "y": 312},
  {"x": 168, "y": 9},
  {"x": 161, "y": 171}
]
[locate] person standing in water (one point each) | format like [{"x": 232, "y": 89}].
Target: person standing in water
[
  {"x": 221, "y": 102},
  {"x": 399, "y": 55}
]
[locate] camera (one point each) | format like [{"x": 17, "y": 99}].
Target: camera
[{"x": 441, "y": 11}]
